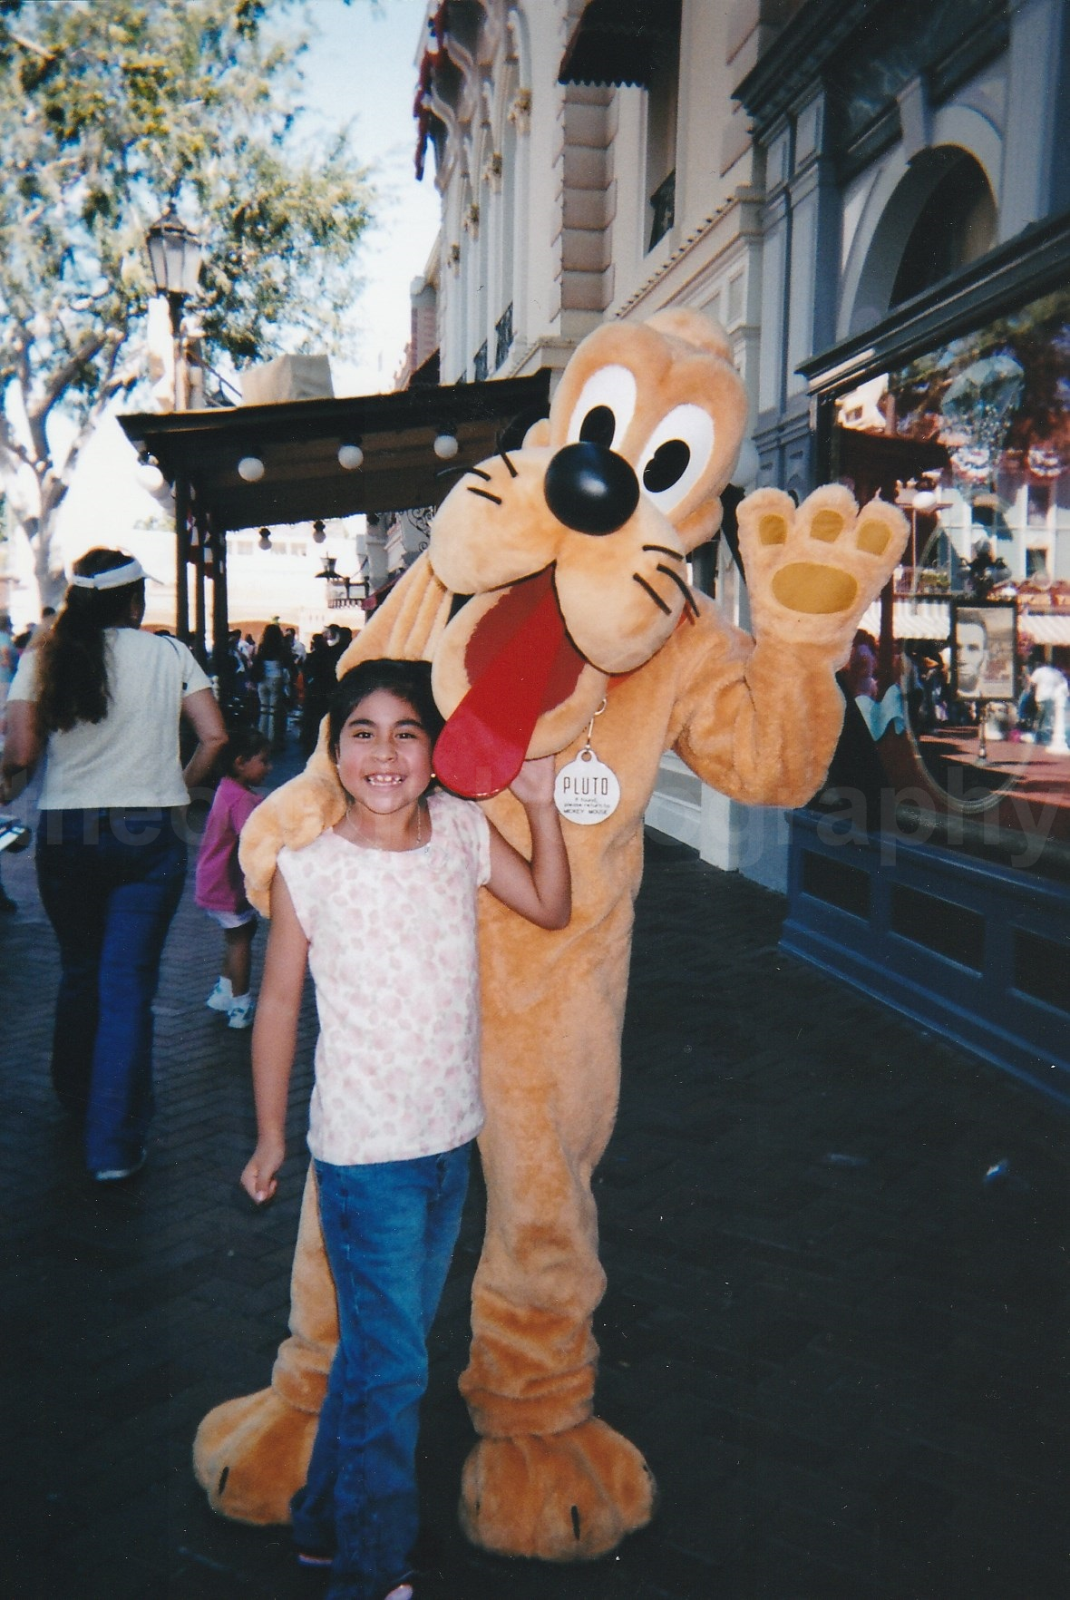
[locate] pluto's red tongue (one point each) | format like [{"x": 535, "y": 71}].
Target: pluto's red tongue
[{"x": 483, "y": 745}]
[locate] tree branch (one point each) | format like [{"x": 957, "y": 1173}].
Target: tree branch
[{"x": 64, "y": 376}]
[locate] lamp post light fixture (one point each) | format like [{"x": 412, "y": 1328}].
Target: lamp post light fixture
[
  {"x": 264, "y": 540},
  {"x": 445, "y": 445},
  {"x": 319, "y": 532},
  {"x": 175, "y": 257},
  {"x": 350, "y": 456}
]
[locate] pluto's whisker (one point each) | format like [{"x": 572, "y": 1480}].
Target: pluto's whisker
[
  {"x": 680, "y": 584},
  {"x": 486, "y": 496},
  {"x": 479, "y": 473},
  {"x": 653, "y": 593},
  {"x": 509, "y": 464},
  {"x": 663, "y": 550}
]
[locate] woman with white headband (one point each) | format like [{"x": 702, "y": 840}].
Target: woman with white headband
[{"x": 103, "y": 702}]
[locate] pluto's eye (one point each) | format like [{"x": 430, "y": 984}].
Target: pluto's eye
[
  {"x": 666, "y": 466},
  {"x": 604, "y": 409},
  {"x": 598, "y": 426},
  {"x": 676, "y": 455}
]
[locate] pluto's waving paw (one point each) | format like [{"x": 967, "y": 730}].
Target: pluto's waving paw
[{"x": 813, "y": 570}]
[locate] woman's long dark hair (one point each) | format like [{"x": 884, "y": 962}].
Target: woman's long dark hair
[
  {"x": 73, "y": 672},
  {"x": 272, "y": 646}
]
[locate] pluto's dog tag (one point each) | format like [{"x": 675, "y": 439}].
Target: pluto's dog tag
[{"x": 587, "y": 790}]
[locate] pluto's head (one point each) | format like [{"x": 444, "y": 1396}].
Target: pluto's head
[{"x": 572, "y": 551}]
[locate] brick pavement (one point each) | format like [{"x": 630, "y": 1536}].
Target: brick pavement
[{"x": 842, "y": 1350}]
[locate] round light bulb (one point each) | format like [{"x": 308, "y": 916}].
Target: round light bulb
[
  {"x": 446, "y": 447},
  {"x": 251, "y": 469},
  {"x": 350, "y": 457},
  {"x": 149, "y": 477},
  {"x": 319, "y": 533},
  {"x": 924, "y": 500},
  {"x": 265, "y": 539}
]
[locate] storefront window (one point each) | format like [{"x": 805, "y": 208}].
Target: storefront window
[{"x": 972, "y": 440}]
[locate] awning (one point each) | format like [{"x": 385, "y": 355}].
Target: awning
[
  {"x": 298, "y": 440},
  {"x": 1045, "y": 627},
  {"x": 931, "y": 619},
  {"x": 621, "y": 41},
  {"x": 911, "y": 619}
]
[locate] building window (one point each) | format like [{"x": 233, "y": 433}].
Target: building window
[
  {"x": 956, "y": 225},
  {"x": 479, "y": 364},
  {"x": 503, "y": 336},
  {"x": 1039, "y": 502},
  {"x": 662, "y": 209},
  {"x": 969, "y": 438},
  {"x": 662, "y": 99}
]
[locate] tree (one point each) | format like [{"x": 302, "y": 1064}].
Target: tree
[{"x": 109, "y": 111}]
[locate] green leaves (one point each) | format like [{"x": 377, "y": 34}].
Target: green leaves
[{"x": 111, "y": 108}]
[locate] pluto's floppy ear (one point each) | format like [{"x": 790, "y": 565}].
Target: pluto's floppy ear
[{"x": 538, "y": 435}]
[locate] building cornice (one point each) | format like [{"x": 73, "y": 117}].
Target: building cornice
[
  {"x": 745, "y": 201},
  {"x": 792, "y": 63}
]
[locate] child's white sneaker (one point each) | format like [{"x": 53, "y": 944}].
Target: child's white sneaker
[
  {"x": 240, "y": 1011},
  {"x": 221, "y": 997}
]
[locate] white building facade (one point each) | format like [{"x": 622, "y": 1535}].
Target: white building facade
[{"x": 850, "y": 187}]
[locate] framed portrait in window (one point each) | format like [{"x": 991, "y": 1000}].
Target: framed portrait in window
[{"x": 984, "y": 649}]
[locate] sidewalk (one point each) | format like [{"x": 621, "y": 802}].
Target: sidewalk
[{"x": 842, "y": 1349}]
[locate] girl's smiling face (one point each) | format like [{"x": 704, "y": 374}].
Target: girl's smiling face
[{"x": 384, "y": 754}]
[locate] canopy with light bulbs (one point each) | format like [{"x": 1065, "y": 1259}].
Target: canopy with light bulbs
[
  {"x": 253, "y": 466},
  {"x": 300, "y": 459}
]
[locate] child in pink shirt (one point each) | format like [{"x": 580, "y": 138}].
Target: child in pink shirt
[{"x": 220, "y": 887}]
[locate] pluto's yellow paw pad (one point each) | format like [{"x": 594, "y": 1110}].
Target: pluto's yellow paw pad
[{"x": 812, "y": 570}]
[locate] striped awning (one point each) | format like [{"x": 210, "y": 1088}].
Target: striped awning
[
  {"x": 911, "y": 619},
  {"x": 931, "y": 619},
  {"x": 1045, "y": 627}
]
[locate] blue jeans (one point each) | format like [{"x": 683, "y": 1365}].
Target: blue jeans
[
  {"x": 389, "y": 1229},
  {"x": 110, "y": 882}
]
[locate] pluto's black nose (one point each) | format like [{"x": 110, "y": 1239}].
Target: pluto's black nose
[{"x": 590, "y": 489}]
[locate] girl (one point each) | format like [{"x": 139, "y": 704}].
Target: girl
[
  {"x": 220, "y": 888},
  {"x": 384, "y": 907}
]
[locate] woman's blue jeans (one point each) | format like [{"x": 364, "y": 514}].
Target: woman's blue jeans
[
  {"x": 389, "y": 1229},
  {"x": 110, "y": 882}
]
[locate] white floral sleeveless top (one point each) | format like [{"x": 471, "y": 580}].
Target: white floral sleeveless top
[{"x": 393, "y": 952}]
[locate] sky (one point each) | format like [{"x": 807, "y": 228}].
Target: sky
[
  {"x": 363, "y": 67},
  {"x": 360, "y": 68}
]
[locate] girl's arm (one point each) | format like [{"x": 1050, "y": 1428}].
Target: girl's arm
[
  {"x": 204, "y": 716},
  {"x": 539, "y": 889},
  {"x": 274, "y": 1041},
  {"x": 22, "y": 748}
]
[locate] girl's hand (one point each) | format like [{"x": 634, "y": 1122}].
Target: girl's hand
[
  {"x": 258, "y": 1179},
  {"x": 534, "y": 783}
]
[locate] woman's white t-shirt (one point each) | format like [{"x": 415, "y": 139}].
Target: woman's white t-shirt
[
  {"x": 130, "y": 758},
  {"x": 394, "y": 954}
]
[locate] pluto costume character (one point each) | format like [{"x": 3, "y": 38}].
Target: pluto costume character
[{"x": 556, "y": 582}]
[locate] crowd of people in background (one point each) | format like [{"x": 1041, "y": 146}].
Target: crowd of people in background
[{"x": 277, "y": 680}]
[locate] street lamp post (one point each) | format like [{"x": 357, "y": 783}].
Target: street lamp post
[{"x": 175, "y": 258}]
